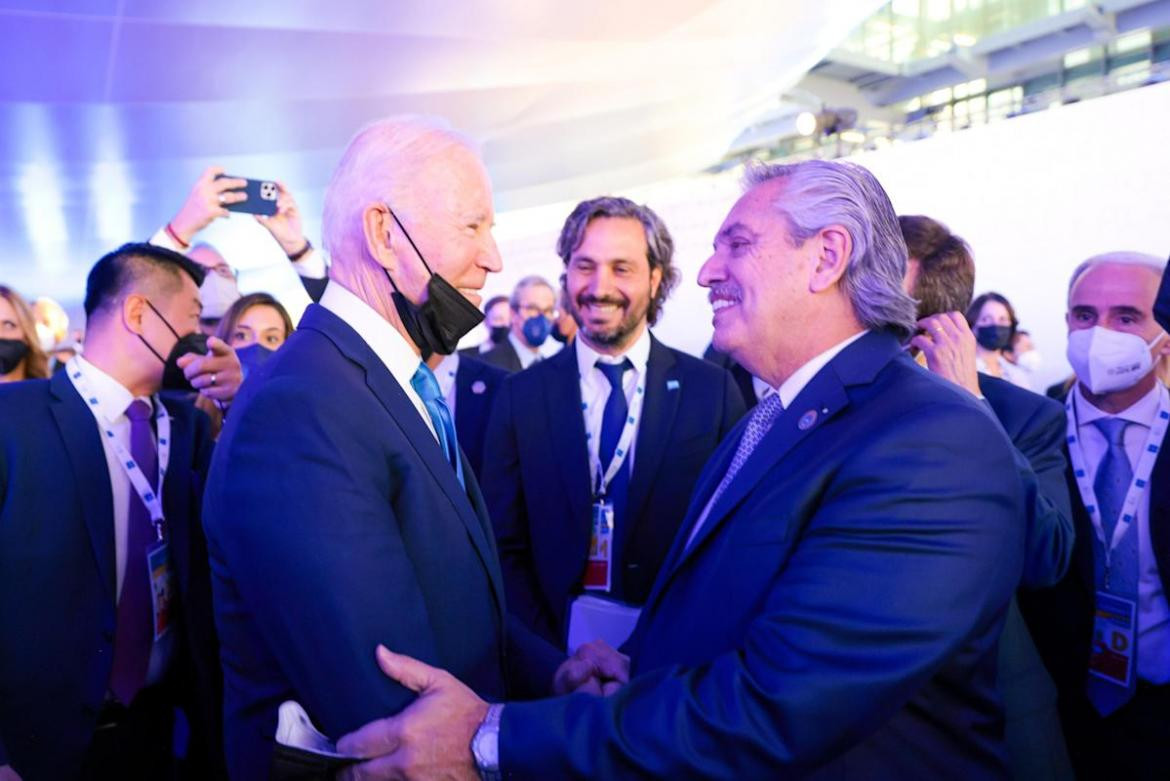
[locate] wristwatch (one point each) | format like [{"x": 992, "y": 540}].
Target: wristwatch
[{"x": 485, "y": 744}]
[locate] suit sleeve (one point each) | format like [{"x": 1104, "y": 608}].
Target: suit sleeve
[
  {"x": 503, "y": 491},
  {"x": 904, "y": 560},
  {"x": 1050, "y": 533},
  {"x": 1162, "y": 302},
  {"x": 305, "y": 543}
]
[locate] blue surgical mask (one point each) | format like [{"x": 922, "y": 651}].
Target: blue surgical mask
[{"x": 536, "y": 329}]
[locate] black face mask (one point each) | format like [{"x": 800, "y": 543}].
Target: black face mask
[
  {"x": 498, "y": 333},
  {"x": 12, "y": 352},
  {"x": 993, "y": 337},
  {"x": 437, "y": 325},
  {"x": 173, "y": 378}
]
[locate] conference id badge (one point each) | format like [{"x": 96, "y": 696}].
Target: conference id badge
[
  {"x": 161, "y": 588},
  {"x": 1111, "y": 653},
  {"x": 597, "y": 566}
]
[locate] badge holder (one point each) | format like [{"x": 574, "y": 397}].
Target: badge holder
[{"x": 597, "y": 565}]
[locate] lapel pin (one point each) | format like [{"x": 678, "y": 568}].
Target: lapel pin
[
  {"x": 672, "y": 385},
  {"x": 478, "y": 387},
  {"x": 807, "y": 420}
]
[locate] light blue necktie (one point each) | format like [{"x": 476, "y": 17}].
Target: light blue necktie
[
  {"x": 427, "y": 387},
  {"x": 1114, "y": 475}
]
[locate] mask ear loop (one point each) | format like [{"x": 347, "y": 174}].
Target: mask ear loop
[
  {"x": 414, "y": 246},
  {"x": 142, "y": 339}
]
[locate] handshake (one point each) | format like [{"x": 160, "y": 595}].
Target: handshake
[{"x": 431, "y": 738}]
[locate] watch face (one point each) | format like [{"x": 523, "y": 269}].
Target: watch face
[{"x": 486, "y": 748}]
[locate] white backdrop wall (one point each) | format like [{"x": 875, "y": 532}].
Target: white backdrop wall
[{"x": 1033, "y": 196}]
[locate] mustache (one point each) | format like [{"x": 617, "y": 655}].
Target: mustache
[
  {"x": 724, "y": 291},
  {"x": 588, "y": 300}
]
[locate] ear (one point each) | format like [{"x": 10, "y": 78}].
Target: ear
[
  {"x": 378, "y": 229},
  {"x": 1163, "y": 348},
  {"x": 655, "y": 280},
  {"x": 834, "y": 248},
  {"x": 133, "y": 310}
]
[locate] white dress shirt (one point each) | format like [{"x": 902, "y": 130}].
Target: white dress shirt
[
  {"x": 113, "y": 399},
  {"x": 381, "y": 337},
  {"x": 595, "y": 390},
  {"x": 1153, "y": 611},
  {"x": 445, "y": 373}
]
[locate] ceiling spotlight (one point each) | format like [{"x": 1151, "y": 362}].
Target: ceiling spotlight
[{"x": 806, "y": 123}]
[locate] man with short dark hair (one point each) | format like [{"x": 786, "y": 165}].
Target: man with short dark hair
[
  {"x": 833, "y": 600},
  {"x": 497, "y": 319},
  {"x": 105, "y": 601},
  {"x": 941, "y": 276},
  {"x": 613, "y": 424},
  {"x": 533, "y": 310}
]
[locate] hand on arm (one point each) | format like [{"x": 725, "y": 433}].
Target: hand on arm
[
  {"x": 431, "y": 738},
  {"x": 594, "y": 669}
]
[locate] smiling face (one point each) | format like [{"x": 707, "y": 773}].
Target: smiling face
[
  {"x": 449, "y": 216},
  {"x": 609, "y": 283},
  {"x": 759, "y": 282}
]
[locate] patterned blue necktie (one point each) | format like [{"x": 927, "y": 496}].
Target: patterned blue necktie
[
  {"x": 427, "y": 387},
  {"x": 613, "y": 417},
  {"x": 763, "y": 416},
  {"x": 1114, "y": 475}
]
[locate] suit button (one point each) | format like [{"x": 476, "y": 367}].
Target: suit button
[{"x": 631, "y": 566}]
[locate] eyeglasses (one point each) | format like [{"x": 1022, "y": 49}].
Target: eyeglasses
[{"x": 532, "y": 310}]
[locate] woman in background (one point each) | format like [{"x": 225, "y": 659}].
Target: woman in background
[
  {"x": 21, "y": 356},
  {"x": 994, "y": 322}
]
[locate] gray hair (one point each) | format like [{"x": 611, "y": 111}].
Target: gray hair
[
  {"x": 659, "y": 244},
  {"x": 532, "y": 280},
  {"x": 1154, "y": 263},
  {"x": 381, "y": 163},
  {"x": 819, "y": 193}
]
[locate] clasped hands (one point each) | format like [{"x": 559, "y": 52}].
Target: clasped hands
[{"x": 431, "y": 738}]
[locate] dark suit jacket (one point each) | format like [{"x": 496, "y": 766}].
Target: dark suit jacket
[
  {"x": 1036, "y": 426},
  {"x": 1061, "y": 618},
  {"x": 57, "y": 579},
  {"x": 1162, "y": 302},
  {"x": 335, "y": 523},
  {"x": 839, "y": 611},
  {"x": 538, "y": 487},
  {"x": 504, "y": 356},
  {"x": 476, "y": 384},
  {"x": 742, "y": 377}
]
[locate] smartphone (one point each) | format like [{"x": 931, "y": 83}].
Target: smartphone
[{"x": 261, "y": 194}]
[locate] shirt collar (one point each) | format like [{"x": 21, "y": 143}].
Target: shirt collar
[
  {"x": 639, "y": 355},
  {"x": 1141, "y": 411},
  {"x": 445, "y": 372},
  {"x": 112, "y": 396},
  {"x": 384, "y": 339},
  {"x": 792, "y": 387}
]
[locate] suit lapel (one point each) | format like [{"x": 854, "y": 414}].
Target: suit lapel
[
  {"x": 87, "y": 458},
  {"x": 1160, "y": 513},
  {"x": 415, "y": 432},
  {"x": 566, "y": 434},
  {"x": 655, "y": 427},
  {"x": 464, "y": 399}
]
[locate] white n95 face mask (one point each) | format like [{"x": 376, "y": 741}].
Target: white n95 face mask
[{"x": 1107, "y": 361}]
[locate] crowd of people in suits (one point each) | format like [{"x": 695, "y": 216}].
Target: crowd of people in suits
[{"x": 849, "y": 542}]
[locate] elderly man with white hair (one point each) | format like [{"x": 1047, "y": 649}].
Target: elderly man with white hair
[
  {"x": 1104, "y": 631},
  {"x": 341, "y": 512}
]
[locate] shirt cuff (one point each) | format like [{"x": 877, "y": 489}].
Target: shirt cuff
[
  {"x": 163, "y": 239},
  {"x": 311, "y": 265}
]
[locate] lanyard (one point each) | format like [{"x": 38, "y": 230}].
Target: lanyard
[
  {"x": 1141, "y": 474},
  {"x": 624, "y": 441},
  {"x": 149, "y": 495}
]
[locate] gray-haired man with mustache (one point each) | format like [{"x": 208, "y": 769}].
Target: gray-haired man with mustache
[{"x": 616, "y": 420}]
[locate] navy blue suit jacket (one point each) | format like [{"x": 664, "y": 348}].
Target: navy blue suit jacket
[
  {"x": 838, "y": 612},
  {"x": 335, "y": 523},
  {"x": 476, "y": 384},
  {"x": 538, "y": 487},
  {"x": 57, "y": 579},
  {"x": 503, "y": 356}
]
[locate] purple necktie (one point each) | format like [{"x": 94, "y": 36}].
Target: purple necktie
[{"x": 133, "y": 637}]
